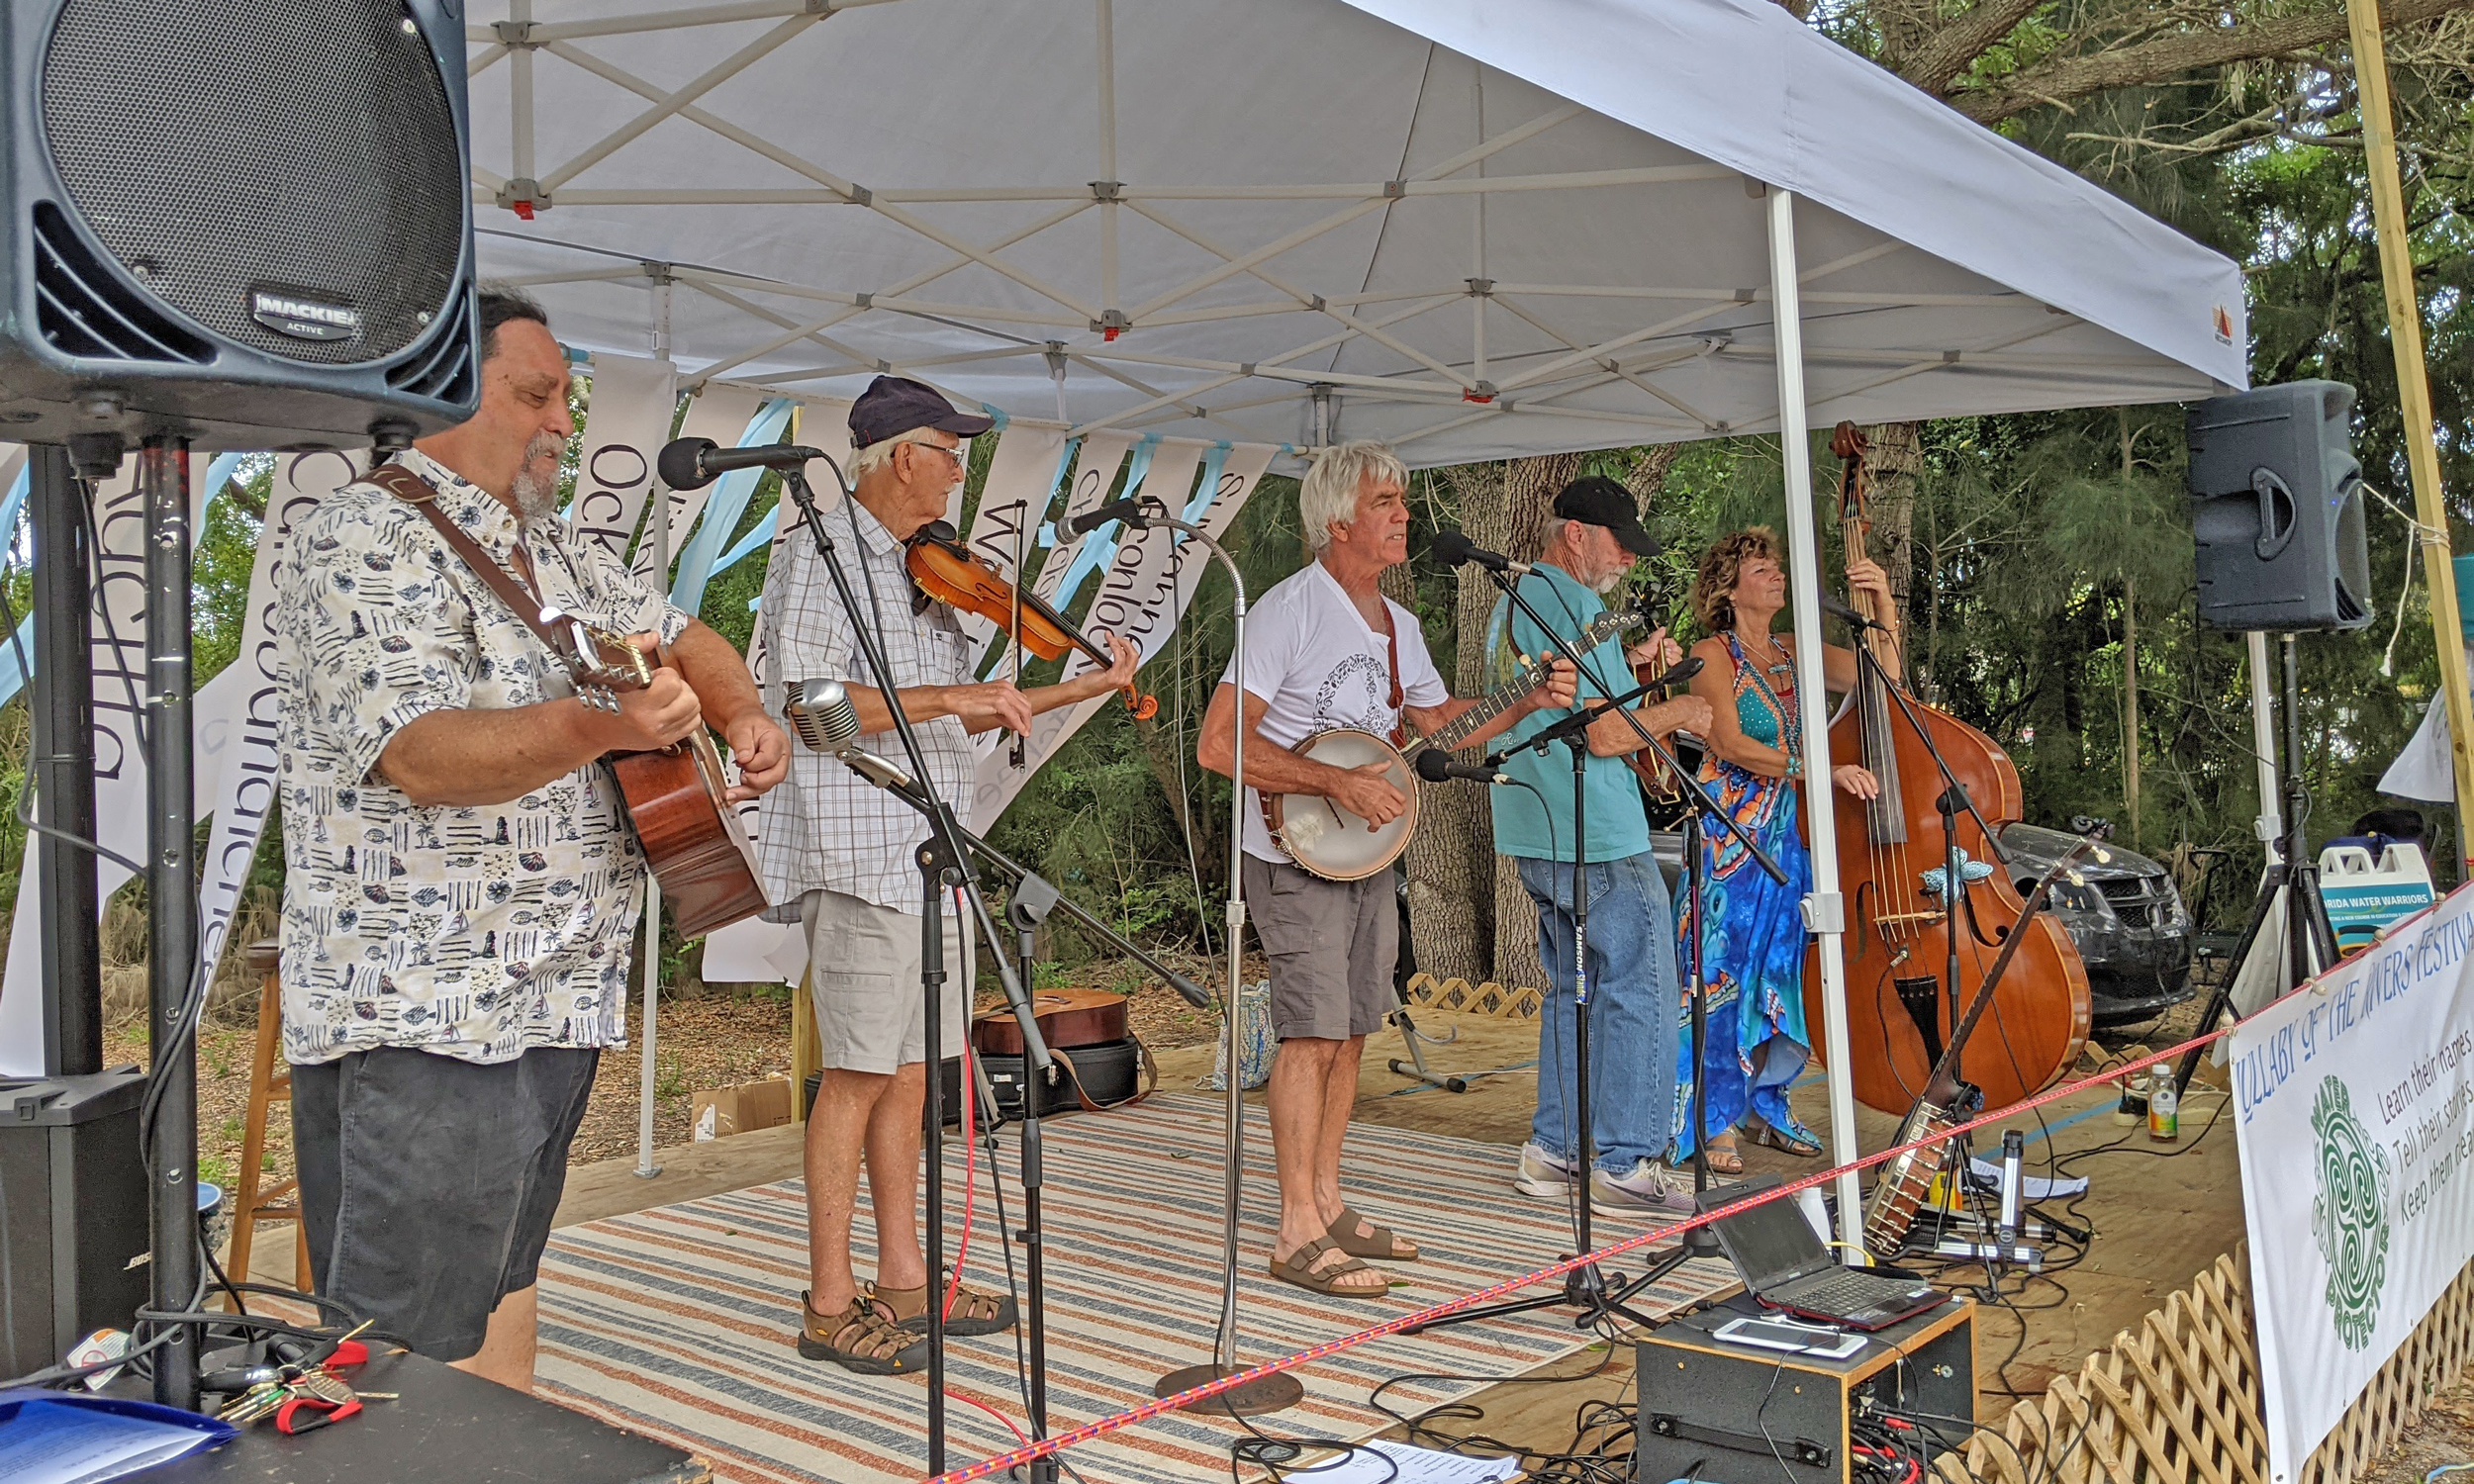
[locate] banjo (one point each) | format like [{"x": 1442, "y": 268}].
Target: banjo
[{"x": 1338, "y": 846}]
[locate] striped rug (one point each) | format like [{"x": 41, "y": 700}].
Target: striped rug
[{"x": 679, "y": 1321}]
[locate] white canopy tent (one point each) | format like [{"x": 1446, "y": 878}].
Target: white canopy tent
[{"x": 1477, "y": 231}]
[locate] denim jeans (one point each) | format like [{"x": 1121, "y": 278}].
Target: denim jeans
[{"x": 1632, "y": 1011}]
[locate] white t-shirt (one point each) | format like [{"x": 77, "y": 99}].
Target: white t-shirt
[{"x": 1310, "y": 655}]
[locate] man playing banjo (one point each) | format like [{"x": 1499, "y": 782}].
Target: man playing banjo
[{"x": 1325, "y": 650}]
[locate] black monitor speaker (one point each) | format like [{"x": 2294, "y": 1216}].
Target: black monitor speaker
[
  {"x": 2278, "y": 509},
  {"x": 247, "y": 224}
]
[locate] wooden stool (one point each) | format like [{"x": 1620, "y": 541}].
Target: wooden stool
[{"x": 252, "y": 1204}]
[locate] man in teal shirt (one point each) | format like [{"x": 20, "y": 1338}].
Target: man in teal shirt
[{"x": 1585, "y": 547}]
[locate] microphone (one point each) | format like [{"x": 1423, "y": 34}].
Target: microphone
[
  {"x": 1129, "y": 510},
  {"x": 1435, "y": 766},
  {"x": 692, "y": 463},
  {"x": 1454, "y": 549},
  {"x": 1839, "y": 608},
  {"x": 820, "y": 712},
  {"x": 1683, "y": 670}
]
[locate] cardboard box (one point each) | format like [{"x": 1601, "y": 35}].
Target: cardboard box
[{"x": 741, "y": 1109}]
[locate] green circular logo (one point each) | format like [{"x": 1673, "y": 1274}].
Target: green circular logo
[{"x": 2349, "y": 1215}]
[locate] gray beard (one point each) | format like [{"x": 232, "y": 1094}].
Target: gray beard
[{"x": 535, "y": 498}]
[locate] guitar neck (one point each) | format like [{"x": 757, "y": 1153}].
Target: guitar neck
[{"x": 1512, "y": 691}]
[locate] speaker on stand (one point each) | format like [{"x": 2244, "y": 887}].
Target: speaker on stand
[
  {"x": 222, "y": 225},
  {"x": 2282, "y": 547}
]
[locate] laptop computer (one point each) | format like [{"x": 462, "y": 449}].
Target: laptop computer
[{"x": 1788, "y": 1268}]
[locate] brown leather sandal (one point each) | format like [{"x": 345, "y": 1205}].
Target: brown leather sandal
[
  {"x": 860, "y": 1339},
  {"x": 1382, "y": 1242},
  {"x": 973, "y": 1313},
  {"x": 1298, "y": 1269}
]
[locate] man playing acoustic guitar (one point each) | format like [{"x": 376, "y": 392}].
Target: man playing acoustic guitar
[
  {"x": 1325, "y": 649},
  {"x": 461, "y": 883}
]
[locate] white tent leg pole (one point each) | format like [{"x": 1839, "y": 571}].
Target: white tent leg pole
[
  {"x": 2270, "y": 824},
  {"x": 644, "y": 1164},
  {"x": 1824, "y": 911}
]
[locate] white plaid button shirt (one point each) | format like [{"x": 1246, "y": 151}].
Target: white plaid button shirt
[{"x": 825, "y": 827}]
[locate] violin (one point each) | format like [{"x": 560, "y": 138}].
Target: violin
[
  {"x": 1901, "y": 931},
  {"x": 947, "y": 572}
]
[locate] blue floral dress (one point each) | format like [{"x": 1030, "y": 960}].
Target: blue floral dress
[{"x": 1750, "y": 929}]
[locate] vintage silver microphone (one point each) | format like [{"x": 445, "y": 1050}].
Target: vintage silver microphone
[{"x": 820, "y": 713}]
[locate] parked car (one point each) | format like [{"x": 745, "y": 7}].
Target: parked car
[{"x": 2126, "y": 920}]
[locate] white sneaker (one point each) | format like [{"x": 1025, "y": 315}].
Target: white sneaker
[
  {"x": 1542, "y": 1174},
  {"x": 1649, "y": 1188}
]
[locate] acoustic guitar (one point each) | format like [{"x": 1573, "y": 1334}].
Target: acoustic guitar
[
  {"x": 674, "y": 795},
  {"x": 1339, "y": 846}
]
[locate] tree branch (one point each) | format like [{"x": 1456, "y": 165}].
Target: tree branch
[
  {"x": 1961, "y": 41},
  {"x": 2060, "y": 79}
]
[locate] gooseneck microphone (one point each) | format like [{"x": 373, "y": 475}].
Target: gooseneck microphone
[
  {"x": 1435, "y": 766},
  {"x": 1683, "y": 670},
  {"x": 1129, "y": 510},
  {"x": 1455, "y": 549},
  {"x": 692, "y": 463},
  {"x": 820, "y": 712},
  {"x": 1839, "y": 607}
]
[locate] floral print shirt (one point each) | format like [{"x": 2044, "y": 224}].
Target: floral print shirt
[{"x": 476, "y": 933}]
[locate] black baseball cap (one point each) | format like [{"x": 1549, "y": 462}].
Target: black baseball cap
[
  {"x": 895, "y": 405},
  {"x": 1595, "y": 500}
]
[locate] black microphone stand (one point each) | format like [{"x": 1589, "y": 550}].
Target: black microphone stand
[
  {"x": 1586, "y": 1288},
  {"x": 944, "y": 861}
]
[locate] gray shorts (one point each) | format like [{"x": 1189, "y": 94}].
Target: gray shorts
[
  {"x": 863, "y": 974},
  {"x": 1333, "y": 946},
  {"x": 428, "y": 1184}
]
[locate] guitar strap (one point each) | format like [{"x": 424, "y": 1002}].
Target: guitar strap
[
  {"x": 1391, "y": 644},
  {"x": 413, "y": 490}
]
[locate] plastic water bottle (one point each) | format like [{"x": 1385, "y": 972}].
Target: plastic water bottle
[{"x": 2165, "y": 1108}]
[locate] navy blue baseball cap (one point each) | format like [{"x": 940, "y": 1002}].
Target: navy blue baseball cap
[
  {"x": 895, "y": 405},
  {"x": 1595, "y": 500}
]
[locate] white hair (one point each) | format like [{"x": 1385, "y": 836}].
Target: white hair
[
  {"x": 1328, "y": 495},
  {"x": 880, "y": 452}
]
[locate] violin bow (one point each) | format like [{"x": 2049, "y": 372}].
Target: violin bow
[{"x": 1013, "y": 630}]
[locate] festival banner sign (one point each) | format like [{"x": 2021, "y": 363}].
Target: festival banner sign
[
  {"x": 119, "y": 688},
  {"x": 248, "y": 694},
  {"x": 2354, "y": 1101},
  {"x": 634, "y": 402},
  {"x": 721, "y": 412}
]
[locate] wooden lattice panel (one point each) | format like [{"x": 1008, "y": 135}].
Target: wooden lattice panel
[
  {"x": 2178, "y": 1401},
  {"x": 1488, "y": 999}
]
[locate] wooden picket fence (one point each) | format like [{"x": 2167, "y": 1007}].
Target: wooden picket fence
[
  {"x": 2178, "y": 1402},
  {"x": 1488, "y": 999}
]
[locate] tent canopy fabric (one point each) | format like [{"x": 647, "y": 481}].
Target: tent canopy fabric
[{"x": 1473, "y": 230}]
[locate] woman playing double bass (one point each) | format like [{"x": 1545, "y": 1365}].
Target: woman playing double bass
[{"x": 1752, "y": 932}]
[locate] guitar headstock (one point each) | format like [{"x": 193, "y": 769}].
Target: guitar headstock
[{"x": 599, "y": 661}]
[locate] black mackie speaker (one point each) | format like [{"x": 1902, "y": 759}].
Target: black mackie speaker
[
  {"x": 249, "y": 225},
  {"x": 2278, "y": 509}
]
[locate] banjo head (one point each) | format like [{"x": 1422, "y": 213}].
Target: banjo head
[{"x": 1328, "y": 840}]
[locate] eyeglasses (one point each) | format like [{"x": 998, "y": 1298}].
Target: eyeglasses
[{"x": 960, "y": 453}]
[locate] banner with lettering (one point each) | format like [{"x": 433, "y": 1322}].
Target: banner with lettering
[
  {"x": 2353, "y": 1100},
  {"x": 119, "y": 686},
  {"x": 245, "y": 697},
  {"x": 634, "y": 402}
]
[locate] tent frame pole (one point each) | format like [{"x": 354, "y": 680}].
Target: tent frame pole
[
  {"x": 2414, "y": 394},
  {"x": 1825, "y": 911}
]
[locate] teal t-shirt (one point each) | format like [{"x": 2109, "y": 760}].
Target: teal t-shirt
[{"x": 1618, "y": 825}]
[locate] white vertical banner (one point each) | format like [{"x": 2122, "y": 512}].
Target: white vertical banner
[
  {"x": 244, "y": 714},
  {"x": 1143, "y": 598},
  {"x": 1012, "y": 500},
  {"x": 752, "y": 950},
  {"x": 721, "y": 412},
  {"x": 2355, "y": 1105},
  {"x": 634, "y": 402},
  {"x": 119, "y": 686},
  {"x": 1094, "y": 474}
]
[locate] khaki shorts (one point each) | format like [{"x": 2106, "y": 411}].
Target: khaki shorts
[
  {"x": 1333, "y": 947},
  {"x": 863, "y": 974}
]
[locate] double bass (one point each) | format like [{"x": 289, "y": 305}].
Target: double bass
[{"x": 1899, "y": 931}]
